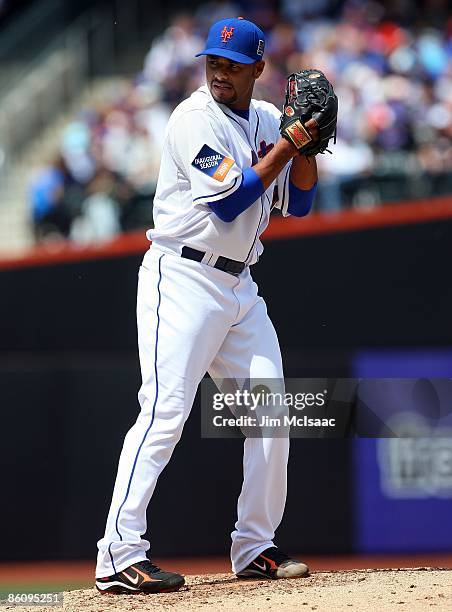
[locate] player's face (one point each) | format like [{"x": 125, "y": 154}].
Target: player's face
[{"x": 232, "y": 83}]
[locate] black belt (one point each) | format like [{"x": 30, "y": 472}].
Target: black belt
[{"x": 223, "y": 263}]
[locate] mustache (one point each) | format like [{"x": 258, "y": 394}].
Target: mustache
[{"x": 217, "y": 81}]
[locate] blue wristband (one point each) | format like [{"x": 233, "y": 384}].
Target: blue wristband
[{"x": 300, "y": 200}]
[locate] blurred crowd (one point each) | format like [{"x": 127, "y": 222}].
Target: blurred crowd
[{"x": 391, "y": 66}]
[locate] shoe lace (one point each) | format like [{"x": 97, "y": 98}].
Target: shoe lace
[
  {"x": 148, "y": 567},
  {"x": 276, "y": 555}
]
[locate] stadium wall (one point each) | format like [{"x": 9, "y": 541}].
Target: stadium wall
[{"x": 69, "y": 377}]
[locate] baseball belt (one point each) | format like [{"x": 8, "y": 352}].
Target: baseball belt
[{"x": 223, "y": 263}]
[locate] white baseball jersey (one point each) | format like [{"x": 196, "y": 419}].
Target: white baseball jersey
[{"x": 206, "y": 148}]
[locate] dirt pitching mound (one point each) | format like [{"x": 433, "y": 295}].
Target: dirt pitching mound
[{"x": 395, "y": 589}]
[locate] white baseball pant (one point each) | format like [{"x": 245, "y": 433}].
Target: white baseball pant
[{"x": 193, "y": 318}]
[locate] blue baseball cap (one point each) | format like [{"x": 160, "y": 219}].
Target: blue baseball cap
[{"x": 236, "y": 39}]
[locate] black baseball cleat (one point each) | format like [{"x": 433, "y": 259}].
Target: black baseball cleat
[
  {"x": 272, "y": 563},
  {"x": 141, "y": 577}
]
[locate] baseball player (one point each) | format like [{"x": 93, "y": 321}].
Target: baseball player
[{"x": 198, "y": 309}]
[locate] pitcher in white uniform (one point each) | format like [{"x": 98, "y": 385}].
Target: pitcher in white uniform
[{"x": 198, "y": 309}]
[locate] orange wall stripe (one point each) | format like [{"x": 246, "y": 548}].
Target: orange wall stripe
[
  {"x": 280, "y": 228},
  {"x": 131, "y": 243},
  {"x": 421, "y": 211}
]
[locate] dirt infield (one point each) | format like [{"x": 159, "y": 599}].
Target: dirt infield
[{"x": 386, "y": 589}]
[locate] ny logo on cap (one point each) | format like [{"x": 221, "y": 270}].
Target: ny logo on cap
[{"x": 226, "y": 34}]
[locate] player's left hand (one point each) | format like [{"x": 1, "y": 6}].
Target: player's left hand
[{"x": 309, "y": 115}]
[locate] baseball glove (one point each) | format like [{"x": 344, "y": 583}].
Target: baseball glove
[{"x": 309, "y": 95}]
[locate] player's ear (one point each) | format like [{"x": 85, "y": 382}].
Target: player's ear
[{"x": 258, "y": 68}]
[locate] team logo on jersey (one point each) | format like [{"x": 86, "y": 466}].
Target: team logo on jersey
[
  {"x": 264, "y": 148},
  {"x": 226, "y": 34},
  {"x": 212, "y": 163}
]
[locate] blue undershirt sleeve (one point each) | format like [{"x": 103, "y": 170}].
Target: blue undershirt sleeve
[
  {"x": 300, "y": 200},
  {"x": 249, "y": 191}
]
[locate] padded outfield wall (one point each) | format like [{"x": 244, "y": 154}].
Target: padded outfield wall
[{"x": 69, "y": 378}]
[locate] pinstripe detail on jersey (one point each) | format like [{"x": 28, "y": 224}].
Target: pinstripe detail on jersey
[
  {"x": 238, "y": 123},
  {"x": 257, "y": 129},
  {"x": 262, "y": 202},
  {"x": 214, "y": 196},
  {"x": 258, "y": 226},
  {"x": 285, "y": 190}
]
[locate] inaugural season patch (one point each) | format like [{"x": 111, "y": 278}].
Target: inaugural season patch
[{"x": 212, "y": 163}]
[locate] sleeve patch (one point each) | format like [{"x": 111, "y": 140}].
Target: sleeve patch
[{"x": 212, "y": 163}]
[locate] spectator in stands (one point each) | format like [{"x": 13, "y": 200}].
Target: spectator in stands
[
  {"x": 75, "y": 147},
  {"x": 173, "y": 51},
  {"x": 351, "y": 159},
  {"x": 99, "y": 219},
  {"x": 49, "y": 214},
  {"x": 215, "y": 10}
]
